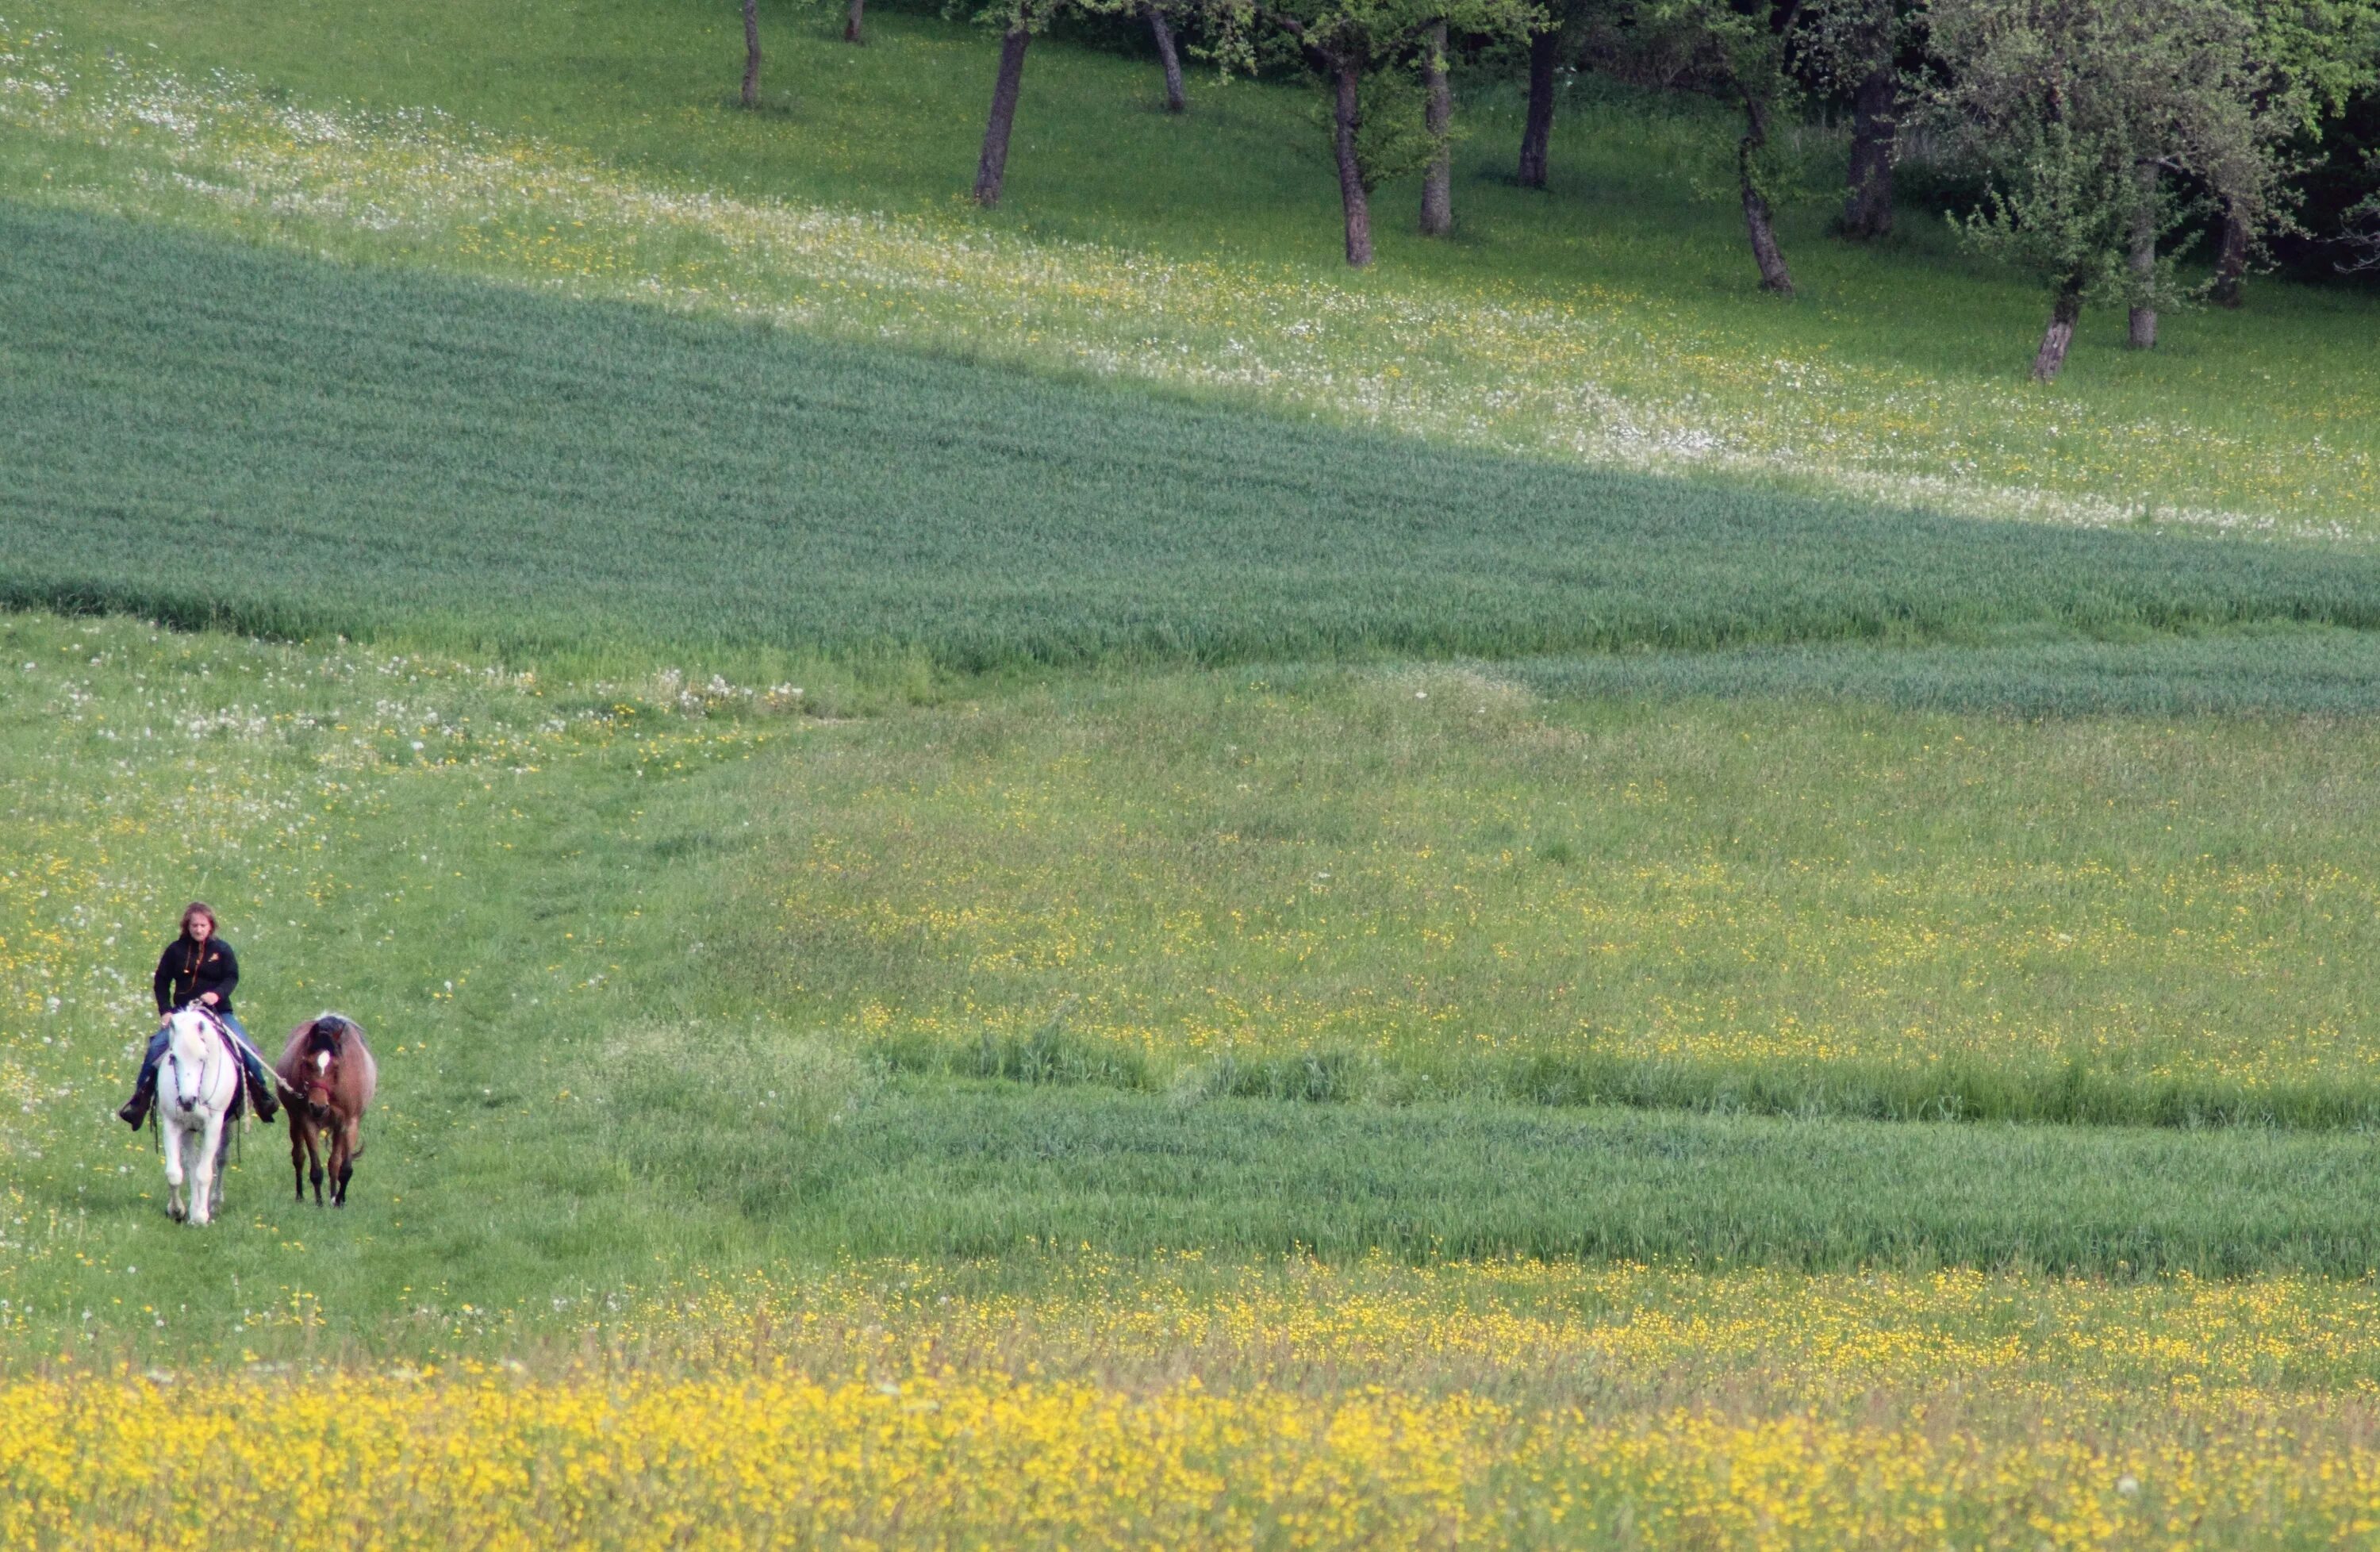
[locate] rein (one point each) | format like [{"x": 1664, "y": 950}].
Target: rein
[{"x": 228, "y": 1033}]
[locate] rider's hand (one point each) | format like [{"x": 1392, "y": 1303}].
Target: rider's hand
[{"x": 208, "y": 998}]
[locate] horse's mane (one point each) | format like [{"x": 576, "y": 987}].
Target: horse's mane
[{"x": 208, "y": 1018}]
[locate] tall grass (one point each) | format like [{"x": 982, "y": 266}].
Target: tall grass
[
  {"x": 209, "y": 434},
  {"x": 2331, "y": 674},
  {"x": 999, "y": 1171},
  {"x": 1412, "y": 882}
]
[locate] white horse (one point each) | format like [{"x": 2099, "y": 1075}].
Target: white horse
[{"x": 195, "y": 1090}]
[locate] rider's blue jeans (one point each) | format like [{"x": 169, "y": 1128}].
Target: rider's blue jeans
[{"x": 248, "y": 1058}]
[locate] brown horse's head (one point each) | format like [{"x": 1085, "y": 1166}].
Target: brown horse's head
[{"x": 318, "y": 1070}]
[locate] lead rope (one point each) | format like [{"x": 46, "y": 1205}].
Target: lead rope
[
  {"x": 156, "y": 1099},
  {"x": 237, "y": 1141},
  {"x": 234, "y": 1145}
]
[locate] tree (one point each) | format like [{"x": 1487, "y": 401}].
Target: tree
[
  {"x": 752, "y": 54},
  {"x": 1741, "y": 50},
  {"x": 1017, "y": 20},
  {"x": 2359, "y": 235},
  {"x": 1358, "y": 47},
  {"x": 2318, "y": 55},
  {"x": 1340, "y": 49},
  {"x": 1555, "y": 38},
  {"x": 1854, "y": 48},
  {"x": 1538, "y": 123},
  {"x": 2088, "y": 119},
  {"x": 1169, "y": 55},
  {"x": 1438, "y": 117}
]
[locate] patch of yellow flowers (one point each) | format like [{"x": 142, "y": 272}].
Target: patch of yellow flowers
[
  {"x": 775, "y": 1459},
  {"x": 1115, "y": 1404},
  {"x": 1565, "y": 1331}
]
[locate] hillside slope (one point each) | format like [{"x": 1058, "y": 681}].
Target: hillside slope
[
  {"x": 592, "y": 147},
  {"x": 203, "y": 432}
]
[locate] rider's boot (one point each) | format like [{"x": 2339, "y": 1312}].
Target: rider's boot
[
  {"x": 260, "y": 1096},
  {"x": 144, "y": 1089},
  {"x": 136, "y": 1109}
]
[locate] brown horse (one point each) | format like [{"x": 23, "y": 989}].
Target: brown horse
[{"x": 327, "y": 1077}]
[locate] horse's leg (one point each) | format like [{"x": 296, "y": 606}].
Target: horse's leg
[
  {"x": 315, "y": 1148},
  {"x": 172, "y": 1136},
  {"x": 343, "y": 1159},
  {"x": 223, "y": 1167},
  {"x": 296, "y": 1110},
  {"x": 202, "y": 1181}
]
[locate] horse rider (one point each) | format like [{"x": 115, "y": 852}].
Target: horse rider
[{"x": 198, "y": 967}]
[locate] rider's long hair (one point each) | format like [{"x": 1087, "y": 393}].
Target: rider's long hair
[{"x": 198, "y": 908}]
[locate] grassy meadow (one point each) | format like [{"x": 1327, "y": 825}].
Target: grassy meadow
[
  {"x": 648, "y": 1195},
  {"x": 1427, "y": 881},
  {"x": 1060, "y": 878},
  {"x": 593, "y": 147}
]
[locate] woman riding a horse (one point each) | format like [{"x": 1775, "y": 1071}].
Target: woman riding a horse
[{"x": 199, "y": 968}]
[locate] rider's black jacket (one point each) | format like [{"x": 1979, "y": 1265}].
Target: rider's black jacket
[{"x": 188, "y": 968}]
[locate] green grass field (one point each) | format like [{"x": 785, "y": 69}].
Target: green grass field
[
  {"x": 439, "y": 462},
  {"x": 609, "y": 1057},
  {"x": 972, "y": 894},
  {"x": 594, "y": 148},
  {"x": 1426, "y": 882}
]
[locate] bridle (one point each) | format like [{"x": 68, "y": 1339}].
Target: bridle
[{"x": 206, "y": 1069}]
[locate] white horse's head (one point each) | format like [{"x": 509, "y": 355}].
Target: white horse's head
[{"x": 194, "y": 1053}]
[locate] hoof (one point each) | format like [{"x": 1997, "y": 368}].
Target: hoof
[{"x": 174, "y": 1211}]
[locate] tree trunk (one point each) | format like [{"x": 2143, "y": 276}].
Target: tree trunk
[
  {"x": 1170, "y": 56},
  {"x": 1774, "y": 275},
  {"x": 1538, "y": 129},
  {"x": 2060, "y": 333},
  {"x": 1876, "y": 121},
  {"x": 752, "y": 54},
  {"x": 992, "y": 169},
  {"x": 851, "y": 22},
  {"x": 2231, "y": 258},
  {"x": 2144, "y": 319},
  {"x": 1347, "y": 118},
  {"x": 1437, "y": 116}
]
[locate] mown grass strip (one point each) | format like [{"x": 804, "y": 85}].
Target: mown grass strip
[{"x": 210, "y": 434}]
